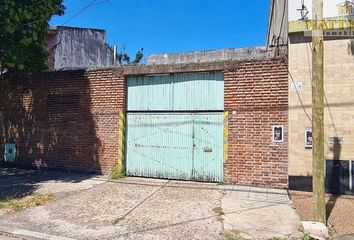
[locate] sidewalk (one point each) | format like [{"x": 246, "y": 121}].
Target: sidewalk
[
  {"x": 260, "y": 213},
  {"x": 89, "y": 207}
]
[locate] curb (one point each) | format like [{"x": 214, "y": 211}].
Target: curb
[{"x": 30, "y": 235}]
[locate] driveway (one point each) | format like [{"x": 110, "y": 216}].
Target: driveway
[{"x": 92, "y": 207}]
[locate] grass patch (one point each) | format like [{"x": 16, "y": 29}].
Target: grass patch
[
  {"x": 307, "y": 237},
  {"x": 218, "y": 210},
  {"x": 117, "y": 174},
  {"x": 231, "y": 235},
  {"x": 18, "y": 204}
]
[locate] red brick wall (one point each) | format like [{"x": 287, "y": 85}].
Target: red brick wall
[
  {"x": 69, "y": 120},
  {"x": 258, "y": 93}
]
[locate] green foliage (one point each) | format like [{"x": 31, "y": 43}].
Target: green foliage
[
  {"x": 231, "y": 235},
  {"x": 219, "y": 211},
  {"x": 23, "y": 28},
  {"x": 124, "y": 59},
  {"x": 138, "y": 56},
  {"x": 17, "y": 204},
  {"x": 117, "y": 174},
  {"x": 235, "y": 238},
  {"x": 307, "y": 237}
]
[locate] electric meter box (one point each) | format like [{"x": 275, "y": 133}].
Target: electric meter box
[{"x": 10, "y": 152}]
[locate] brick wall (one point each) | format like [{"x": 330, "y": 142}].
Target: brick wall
[
  {"x": 258, "y": 93},
  {"x": 68, "y": 120}
]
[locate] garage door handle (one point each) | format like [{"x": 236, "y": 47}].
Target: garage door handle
[{"x": 208, "y": 149}]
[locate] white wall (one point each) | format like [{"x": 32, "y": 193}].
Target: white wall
[{"x": 330, "y": 8}]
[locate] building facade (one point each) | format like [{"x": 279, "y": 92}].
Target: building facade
[
  {"x": 77, "y": 48},
  {"x": 339, "y": 104},
  {"x": 223, "y": 121}
]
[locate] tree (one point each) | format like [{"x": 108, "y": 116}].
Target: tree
[
  {"x": 124, "y": 59},
  {"x": 23, "y": 28}
]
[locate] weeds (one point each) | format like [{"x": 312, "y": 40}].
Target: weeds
[
  {"x": 231, "y": 235},
  {"x": 219, "y": 211},
  {"x": 117, "y": 174},
  {"x": 18, "y": 204},
  {"x": 307, "y": 237}
]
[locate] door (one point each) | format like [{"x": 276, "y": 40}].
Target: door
[
  {"x": 175, "y": 126},
  {"x": 208, "y": 147},
  {"x": 175, "y": 146},
  {"x": 160, "y": 145}
]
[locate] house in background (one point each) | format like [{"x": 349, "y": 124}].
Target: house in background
[
  {"x": 339, "y": 91},
  {"x": 277, "y": 24},
  {"x": 75, "y": 48}
]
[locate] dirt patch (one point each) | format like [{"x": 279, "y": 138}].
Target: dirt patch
[{"x": 340, "y": 211}]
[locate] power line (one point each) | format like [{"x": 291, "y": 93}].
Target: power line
[
  {"x": 92, "y": 4},
  {"x": 78, "y": 13},
  {"x": 297, "y": 91},
  {"x": 287, "y": 66}
]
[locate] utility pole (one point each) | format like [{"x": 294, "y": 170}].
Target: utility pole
[{"x": 318, "y": 164}]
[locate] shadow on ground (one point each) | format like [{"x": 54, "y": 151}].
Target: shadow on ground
[{"x": 15, "y": 183}]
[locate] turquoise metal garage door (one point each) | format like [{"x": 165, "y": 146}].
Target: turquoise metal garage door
[
  {"x": 175, "y": 146},
  {"x": 175, "y": 126}
]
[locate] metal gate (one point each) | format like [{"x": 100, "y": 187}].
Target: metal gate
[{"x": 175, "y": 127}]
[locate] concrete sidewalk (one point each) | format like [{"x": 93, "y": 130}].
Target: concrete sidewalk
[
  {"x": 139, "y": 208},
  {"x": 260, "y": 213}
]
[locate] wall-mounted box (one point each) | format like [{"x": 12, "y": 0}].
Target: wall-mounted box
[
  {"x": 10, "y": 152},
  {"x": 278, "y": 133},
  {"x": 308, "y": 138}
]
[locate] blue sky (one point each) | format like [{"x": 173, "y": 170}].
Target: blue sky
[{"x": 161, "y": 26}]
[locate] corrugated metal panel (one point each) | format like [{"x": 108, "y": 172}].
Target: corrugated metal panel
[
  {"x": 176, "y": 92},
  {"x": 160, "y": 145},
  {"x": 208, "y": 150},
  {"x": 150, "y": 93},
  {"x": 175, "y": 146},
  {"x": 198, "y": 91}
]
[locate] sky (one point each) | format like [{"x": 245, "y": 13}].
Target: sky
[{"x": 165, "y": 26}]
